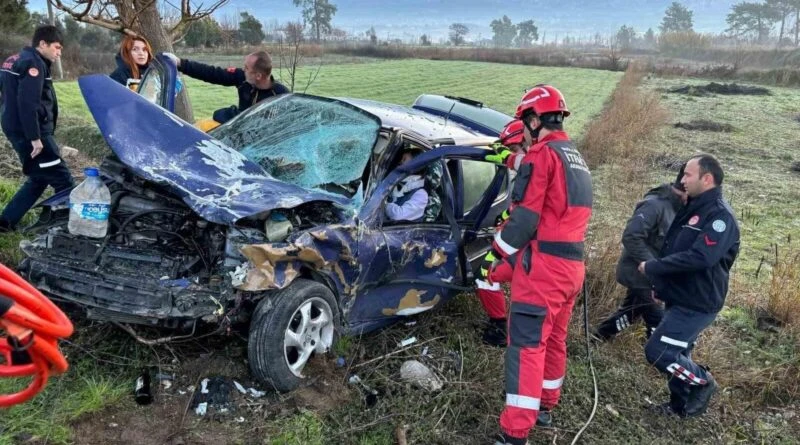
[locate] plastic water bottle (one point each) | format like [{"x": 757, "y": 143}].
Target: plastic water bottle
[{"x": 89, "y": 206}]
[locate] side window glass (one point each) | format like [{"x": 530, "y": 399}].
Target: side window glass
[
  {"x": 477, "y": 177},
  {"x": 151, "y": 86}
]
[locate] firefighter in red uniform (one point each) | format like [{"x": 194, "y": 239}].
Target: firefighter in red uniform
[
  {"x": 490, "y": 294},
  {"x": 551, "y": 207}
]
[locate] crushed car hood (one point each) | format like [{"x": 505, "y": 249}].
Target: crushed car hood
[{"x": 216, "y": 181}]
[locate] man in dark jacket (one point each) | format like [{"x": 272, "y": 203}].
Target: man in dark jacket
[
  {"x": 30, "y": 112},
  {"x": 642, "y": 240},
  {"x": 691, "y": 277},
  {"x": 254, "y": 83}
]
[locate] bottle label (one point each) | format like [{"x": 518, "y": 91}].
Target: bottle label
[
  {"x": 139, "y": 384},
  {"x": 94, "y": 211}
]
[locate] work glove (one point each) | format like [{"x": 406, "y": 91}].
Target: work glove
[
  {"x": 500, "y": 153},
  {"x": 175, "y": 59},
  {"x": 488, "y": 263},
  {"x": 501, "y": 218}
]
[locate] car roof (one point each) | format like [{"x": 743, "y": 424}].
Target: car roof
[{"x": 429, "y": 126}]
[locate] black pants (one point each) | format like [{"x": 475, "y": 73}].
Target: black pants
[
  {"x": 637, "y": 303},
  {"x": 50, "y": 171},
  {"x": 670, "y": 350}
]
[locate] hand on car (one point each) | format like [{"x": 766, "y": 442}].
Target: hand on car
[
  {"x": 501, "y": 152},
  {"x": 175, "y": 59},
  {"x": 487, "y": 264}
]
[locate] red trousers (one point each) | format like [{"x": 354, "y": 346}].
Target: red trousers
[
  {"x": 490, "y": 294},
  {"x": 543, "y": 292}
]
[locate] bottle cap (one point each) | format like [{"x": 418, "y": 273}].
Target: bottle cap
[{"x": 91, "y": 171}]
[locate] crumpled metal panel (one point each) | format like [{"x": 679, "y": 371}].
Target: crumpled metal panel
[{"x": 217, "y": 182}]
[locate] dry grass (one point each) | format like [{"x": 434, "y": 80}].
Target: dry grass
[
  {"x": 783, "y": 297},
  {"x": 629, "y": 120}
]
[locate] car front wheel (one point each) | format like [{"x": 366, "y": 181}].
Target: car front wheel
[{"x": 287, "y": 329}]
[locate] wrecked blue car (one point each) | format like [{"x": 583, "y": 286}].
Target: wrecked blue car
[{"x": 275, "y": 220}]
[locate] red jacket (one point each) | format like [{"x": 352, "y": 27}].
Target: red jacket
[{"x": 551, "y": 198}]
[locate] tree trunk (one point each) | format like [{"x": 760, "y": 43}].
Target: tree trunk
[
  {"x": 780, "y": 35},
  {"x": 149, "y": 26},
  {"x": 52, "y": 19},
  {"x": 797, "y": 27}
]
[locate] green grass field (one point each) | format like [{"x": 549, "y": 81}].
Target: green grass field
[{"x": 81, "y": 406}]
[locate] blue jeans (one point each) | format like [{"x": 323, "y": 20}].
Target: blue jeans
[
  {"x": 39, "y": 178},
  {"x": 670, "y": 350}
]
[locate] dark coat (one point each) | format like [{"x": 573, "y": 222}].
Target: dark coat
[
  {"x": 701, "y": 245},
  {"x": 30, "y": 108},
  {"x": 644, "y": 234},
  {"x": 248, "y": 94}
]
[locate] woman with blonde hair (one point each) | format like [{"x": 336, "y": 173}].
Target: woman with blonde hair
[{"x": 133, "y": 59}]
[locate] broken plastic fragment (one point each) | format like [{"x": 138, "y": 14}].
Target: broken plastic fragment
[
  {"x": 201, "y": 409},
  {"x": 239, "y": 387},
  {"x": 204, "y": 386},
  {"x": 406, "y": 342},
  {"x": 239, "y": 275},
  {"x": 256, "y": 393}
]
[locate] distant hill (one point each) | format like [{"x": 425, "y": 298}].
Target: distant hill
[{"x": 555, "y": 18}]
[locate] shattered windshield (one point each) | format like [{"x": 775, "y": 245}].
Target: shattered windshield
[{"x": 304, "y": 140}]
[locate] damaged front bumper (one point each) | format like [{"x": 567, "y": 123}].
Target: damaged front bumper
[{"x": 134, "y": 296}]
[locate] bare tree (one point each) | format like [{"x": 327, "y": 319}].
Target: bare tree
[
  {"x": 140, "y": 17},
  {"x": 290, "y": 57}
]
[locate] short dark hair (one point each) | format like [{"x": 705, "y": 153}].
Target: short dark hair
[
  {"x": 710, "y": 164},
  {"x": 49, "y": 33},
  {"x": 263, "y": 62}
]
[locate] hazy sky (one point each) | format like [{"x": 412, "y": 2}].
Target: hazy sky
[{"x": 405, "y": 19}]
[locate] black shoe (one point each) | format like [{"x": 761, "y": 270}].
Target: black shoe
[
  {"x": 544, "y": 419},
  {"x": 700, "y": 396},
  {"x": 507, "y": 440},
  {"x": 495, "y": 333},
  {"x": 666, "y": 409},
  {"x": 596, "y": 337}
]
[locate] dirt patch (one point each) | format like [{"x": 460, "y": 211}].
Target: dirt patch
[
  {"x": 171, "y": 418},
  {"x": 720, "y": 88},
  {"x": 705, "y": 125}
]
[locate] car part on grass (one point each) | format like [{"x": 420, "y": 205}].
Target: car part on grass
[
  {"x": 32, "y": 325},
  {"x": 418, "y": 374}
]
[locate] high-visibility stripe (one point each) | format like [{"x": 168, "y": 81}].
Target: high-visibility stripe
[
  {"x": 553, "y": 384},
  {"x": 672, "y": 341},
  {"x": 486, "y": 286},
  {"x": 523, "y": 402},
  {"x": 10, "y": 72},
  {"x": 504, "y": 246},
  {"x": 49, "y": 164}
]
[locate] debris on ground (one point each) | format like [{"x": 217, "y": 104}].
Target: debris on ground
[
  {"x": 406, "y": 342},
  {"x": 705, "y": 125},
  {"x": 720, "y": 88},
  {"x": 796, "y": 167},
  {"x": 669, "y": 161},
  {"x": 214, "y": 397},
  {"x": 252, "y": 392},
  {"x": 420, "y": 375}
]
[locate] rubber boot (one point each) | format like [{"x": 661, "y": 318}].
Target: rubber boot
[{"x": 495, "y": 333}]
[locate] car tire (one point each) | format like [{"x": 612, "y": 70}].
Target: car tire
[{"x": 288, "y": 327}]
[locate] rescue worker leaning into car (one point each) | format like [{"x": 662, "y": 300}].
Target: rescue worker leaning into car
[
  {"x": 691, "y": 278},
  {"x": 551, "y": 208},
  {"x": 491, "y": 295},
  {"x": 254, "y": 83}
]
